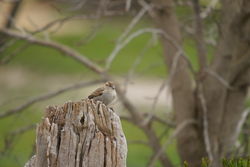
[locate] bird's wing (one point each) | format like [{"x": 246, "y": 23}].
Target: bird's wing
[{"x": 97, "y": 92}]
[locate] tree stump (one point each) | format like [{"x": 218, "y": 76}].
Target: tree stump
[{"x": 80, "y": 134}]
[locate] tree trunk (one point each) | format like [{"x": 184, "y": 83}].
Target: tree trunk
[
  {"x": 231, "y": 63},
  {"x": 80, "y": 134},
  {"x": 224, "y": 105},
  {"x": 190, "y": 141}
]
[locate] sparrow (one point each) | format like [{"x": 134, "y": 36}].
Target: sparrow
[{"x": 105, "y": 94}]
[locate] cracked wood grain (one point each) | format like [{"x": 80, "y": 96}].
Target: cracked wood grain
[{"x": 80, "y": 134}]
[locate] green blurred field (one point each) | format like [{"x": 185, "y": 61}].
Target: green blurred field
[
  {"x": 138, "y": 154},
  {"x": 48, "y": 61},
  {"x": 45, "y": 62}
]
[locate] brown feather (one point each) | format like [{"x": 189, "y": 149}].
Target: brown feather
[
  {"x": 110, "y": 84},
  {"x": 97, "y": 92}
]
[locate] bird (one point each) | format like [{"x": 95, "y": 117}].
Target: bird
[{"x": 105, "y": 94}]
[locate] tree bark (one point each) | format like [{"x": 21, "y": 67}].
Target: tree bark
[
  {"x": 190, "y": 142},
  {"x": 224, "y": 105},
  {"x": 80, "y": 134},
  {"x": 231, "y": 63}
]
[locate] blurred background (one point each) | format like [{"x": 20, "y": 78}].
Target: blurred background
[{"x": 28, "y": 71}]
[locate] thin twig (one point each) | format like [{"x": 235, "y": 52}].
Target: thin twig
[
  {"x": 219, "y": 78},
  {"x": 242, "y": 121},
  {"x": 148, "y": 69},
  {"x": 59, "y": 47},
  {"x": 132, "y": 24},
  {"x": 179, "y": 128},
  {"x": 61, "y": 21},
  {"x": 47, "y": 96},
  {"x": 167, "y": 36},
  {"x": 134, "y": 114},
  {"x": 78, "y": 5},
  {"x": 155, "y": 100},
  {"x": 205, "y": 123},
  {"x": 164, "y": 84},
  {"x": 128, "y": 5},
  {"x": 126, "y": 118},
  {"x": 7, "y": 59},
  {"x": 138, "y": 142},
  {"x": 11, "y": 136},
  {"x": 165, "y": 122},
  {"x": 200, "y": 43},
  {"x": 90, "y": 35},
  {"x": 77, "y": 57},
  {"x": 135, "y": 64},
  {"x": 209, "y": 8},
  {"x": 143, "y": 31},
  {"x": 164, "y": 133},
  {"x": 119, "y": 44}
]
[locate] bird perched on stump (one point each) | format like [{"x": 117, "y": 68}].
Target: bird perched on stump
[{"x": 105, "y": 94}]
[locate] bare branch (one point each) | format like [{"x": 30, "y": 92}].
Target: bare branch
[
  {"x": 7, "y": 59},
  {"x": 164, "y": 84},
  {"x": 126, "y": 118},
  {"x": 164, "y": 122},
  {"x": 135, "y": 115},
  {"x": 179, "y": 128},
  {"x": 53, "y": 23},
  {"x": 140, "y": 32},
  {"x": 62, "y": 21},
  {"x": 76, "y": 56},
  {"x": 10, "y": 137},
  {"x": 7, "y": 44},
  {"x": 200, "y": 43},
  {"x": 219, "y": 78},
  {"x": 205, "y": 123},
  {"x": 209, "y": 8},
  {"x": 242, "y": 121},
  {"x": 137, "y": 120},
  {"x": 155, "y": 100},
  {"x": 132, "y": 24},
  {"x": 78, "y": 5},
  {"x": 46, "y": 97},
  {"x": 22, "y": 130},
  {"x": 167, "y": 36},
  {"x": 15, "y": 7},
  {"x": 119, "y": 44},
  {"x": 170, "y": 124},
  {"x": 128, "y": 5},
  {"x": 135, "y": 64},
  {"x": 138, "y": 142},
  {"x": 59, "y": 22},
  {"x": 90, "y": 35},
  {"x": 59, "y": 47}
]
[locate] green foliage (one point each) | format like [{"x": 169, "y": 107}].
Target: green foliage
[
  {"x": 233, "y": 162},
  {"x": 185, "y": 164},
  {"x": 205, "y": 162},
  {"x": 236, "y": 162}
]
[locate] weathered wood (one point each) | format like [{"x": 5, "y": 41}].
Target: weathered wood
[{"x": 80, "y": 134}]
